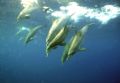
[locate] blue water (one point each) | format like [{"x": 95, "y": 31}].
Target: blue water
[{"x": 27, "y": 64}]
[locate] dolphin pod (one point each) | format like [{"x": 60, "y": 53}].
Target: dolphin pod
[
  {"x": 57, "y": 33},
  {"x": 58, "y": 37}
]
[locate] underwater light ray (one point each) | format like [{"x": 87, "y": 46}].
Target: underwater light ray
[{"x": 103, "y": 14}]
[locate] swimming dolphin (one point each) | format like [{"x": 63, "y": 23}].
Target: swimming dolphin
[
  {"x": 26, "y": 11},
  {"x": 30, "y": 36},
  {"x": 58, "y": 39},
  {"x": 75, "y": 44},
  {"x": 56, "y": 26}
]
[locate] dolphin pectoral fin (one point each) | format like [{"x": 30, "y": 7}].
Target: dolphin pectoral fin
[
  {"x": 31, "y": 38},
  {"x": 27, "y": 41},
  {"x": 21, "y": 38},
  {"x": 54, "y": 47},
  {"x": 63, "y": 44},
  {"x": 18, "y": 32},
  {"x": 27, "y": 16},
  {"x": 82, "y": 49}
]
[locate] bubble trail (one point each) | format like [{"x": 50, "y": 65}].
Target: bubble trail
[{"x": 103, "y": 14}]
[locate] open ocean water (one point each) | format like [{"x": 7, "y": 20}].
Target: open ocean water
[{"x": 20, "y": 63}]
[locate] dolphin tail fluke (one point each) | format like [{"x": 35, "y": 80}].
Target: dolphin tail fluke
[
  {"x": 64, "y": 58},
  {"x": 46, "y": 53}
]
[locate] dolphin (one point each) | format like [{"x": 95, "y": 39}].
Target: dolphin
[
  {"x": 75, "y": 44},
  {"x": 58, "y": 39},
  {"x": 30, "y": 36},
  {"x": 25, "y": 12},
  {"x": 56, "y": 26}
]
